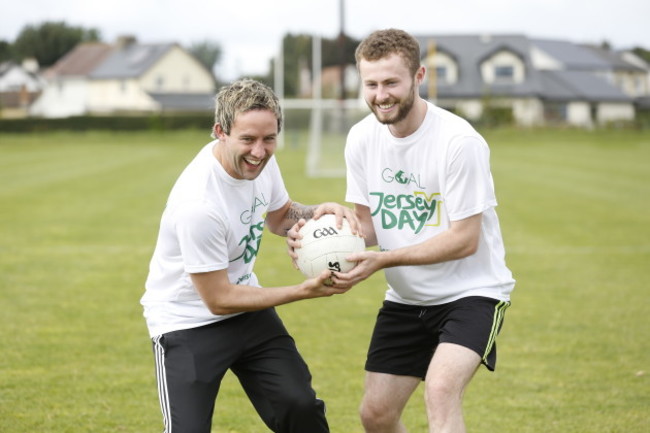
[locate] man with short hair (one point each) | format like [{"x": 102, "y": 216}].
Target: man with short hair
[
  {"x": 420, "y": 179},
  {"x": 205, "y": 310}
]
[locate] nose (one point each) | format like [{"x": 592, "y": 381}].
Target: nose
[
  {"x": 382, "y": 92},
  {"x": 258, "y": 151}
]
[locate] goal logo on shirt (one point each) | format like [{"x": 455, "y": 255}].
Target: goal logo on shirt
[{"x": 388, "y": 175}]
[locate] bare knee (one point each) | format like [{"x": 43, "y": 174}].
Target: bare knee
[
  {"x": 376, "y": 417},
  {"x": 438, "y": 393},
  {"x": 444, "y": 405}
]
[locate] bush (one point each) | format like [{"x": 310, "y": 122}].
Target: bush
[
  {"x": 493, "y": 117},
  {"x": 111, "y": 123},
  {"x": 642, "y": 119}
]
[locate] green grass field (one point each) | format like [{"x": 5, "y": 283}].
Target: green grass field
[{"x": 78, "y": 219}]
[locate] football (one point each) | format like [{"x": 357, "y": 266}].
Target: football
[{"x": 324, "y": 246}]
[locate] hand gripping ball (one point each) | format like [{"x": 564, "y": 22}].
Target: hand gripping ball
[{"x": 324, "y": 246}]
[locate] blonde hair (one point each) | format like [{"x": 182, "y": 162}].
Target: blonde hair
[
  {"x": 242, "y": 96},
  {"x": 382, "y": 43}
]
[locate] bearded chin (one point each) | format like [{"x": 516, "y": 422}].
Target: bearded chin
[{"x": 402, "y": 111}]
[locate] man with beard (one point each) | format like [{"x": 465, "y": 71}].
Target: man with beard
[
  {"x": 420, "y": 180},
  {"x": 205, "y": 310}
]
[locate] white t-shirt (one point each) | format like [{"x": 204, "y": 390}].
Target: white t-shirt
[
  {"x": 414, "y": 187},
  {"x": 211, "y": 222}
]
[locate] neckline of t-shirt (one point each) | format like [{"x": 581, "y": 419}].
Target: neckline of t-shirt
[{"x": 412, "y": 138}]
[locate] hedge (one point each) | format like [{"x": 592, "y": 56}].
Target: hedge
[{"x": 112, "y": 123}]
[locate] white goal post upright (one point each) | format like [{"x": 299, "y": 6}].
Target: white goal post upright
[
  {"x": 316, "y": 122},
  {"x": 278, "y": 84},
  {"x": 317, "y": 163}
]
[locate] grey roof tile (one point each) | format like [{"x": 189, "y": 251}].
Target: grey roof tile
[
  {"x": 185, "y": 101},
  {"x": 577, "y": 81},
  {"x": 131, "y": 61}
]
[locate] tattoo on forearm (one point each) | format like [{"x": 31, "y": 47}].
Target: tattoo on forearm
[{"x": 297, "y": 211}]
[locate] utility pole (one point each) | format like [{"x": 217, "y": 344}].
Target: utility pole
[{"x": 342, "y": 57}]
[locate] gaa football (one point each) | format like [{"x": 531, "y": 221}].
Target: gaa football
[{"x": 324, "y": 246}]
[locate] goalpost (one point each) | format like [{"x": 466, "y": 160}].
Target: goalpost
[{"x": 329, "y": 119}]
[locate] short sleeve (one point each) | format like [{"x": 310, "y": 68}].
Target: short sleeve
[{"x": 469, "y": 188}]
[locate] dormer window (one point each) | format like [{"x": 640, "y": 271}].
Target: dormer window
[
  {"x": 445, "y": 67},
  {"x": 503, "y": 67},
  {"x": 441, "y": 74},
  {"x": 504, "y": 74}
]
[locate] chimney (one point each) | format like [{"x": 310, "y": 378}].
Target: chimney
[
  {"x": 30, "y": 64},
  {"x": 486, "y": 38},
  {"x": 124, "y": 41}
]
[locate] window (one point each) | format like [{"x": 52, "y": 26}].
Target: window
[
  {"x": 639, "y": 86},
  {"x": 504, "y": 73},
  {"x": 160, "y": 83},
  {"x": 441, "y": 74}
]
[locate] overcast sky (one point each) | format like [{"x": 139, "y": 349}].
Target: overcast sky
[{"x": 250, "y": 31}]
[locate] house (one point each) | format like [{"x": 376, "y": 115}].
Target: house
[
  {"x": 20, "y": 85},
  {"x": 331, "y": 81},
  {"x": 126, "y": 78},
  {"x": 540, "y": 82},
  {"x": 68, "y": 85}
]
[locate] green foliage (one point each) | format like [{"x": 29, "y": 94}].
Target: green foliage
[
  {"x": 340, "y": 49},
  {"x": 644, "y": 53},
  {"x": 6, "y": 53},
  {"x": 49, "y": 41},
  {"x": 494, "y": 117},
  {"x": 297, "y": 53},
  {"x": 207, "y": 52},
  {"x": 495, "y": 113},
  {"x": 111, "y": 123},
  {"x": 642, "y": 119},
  {"x": 79, "y": 219}
]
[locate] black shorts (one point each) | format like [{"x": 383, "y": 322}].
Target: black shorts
[{"x": 406, "y": 336}]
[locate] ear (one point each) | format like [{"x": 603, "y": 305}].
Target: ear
[
  {"x": 218, "y": 132},
  {"x": 420, "y": 74}
]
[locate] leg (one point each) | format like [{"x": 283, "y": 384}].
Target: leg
[
  {"x": 384, "y": 400},
  {"x": 190, "y": 365},
  {"x": 278, "y": 381},
  {"x": 468, "y": 331},
  {"x": 186, "y": 390},
  {"x": 450, "y": 371},
  {"x": 398, "y": 357}
]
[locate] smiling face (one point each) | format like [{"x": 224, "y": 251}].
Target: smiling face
[
  {"x": 389, "y": 89},
  {"x": 252, "y": 141}
]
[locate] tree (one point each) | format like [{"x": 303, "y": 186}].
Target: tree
[
  {"x": 297, "y": 53},
  {"x": 5, "y": 51},
  {"x": 207, "y": 52},
  {"x": 643, "y": 53},
  {"x": 49, "y": 41},
  {"x": 332, "y": 55}
]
